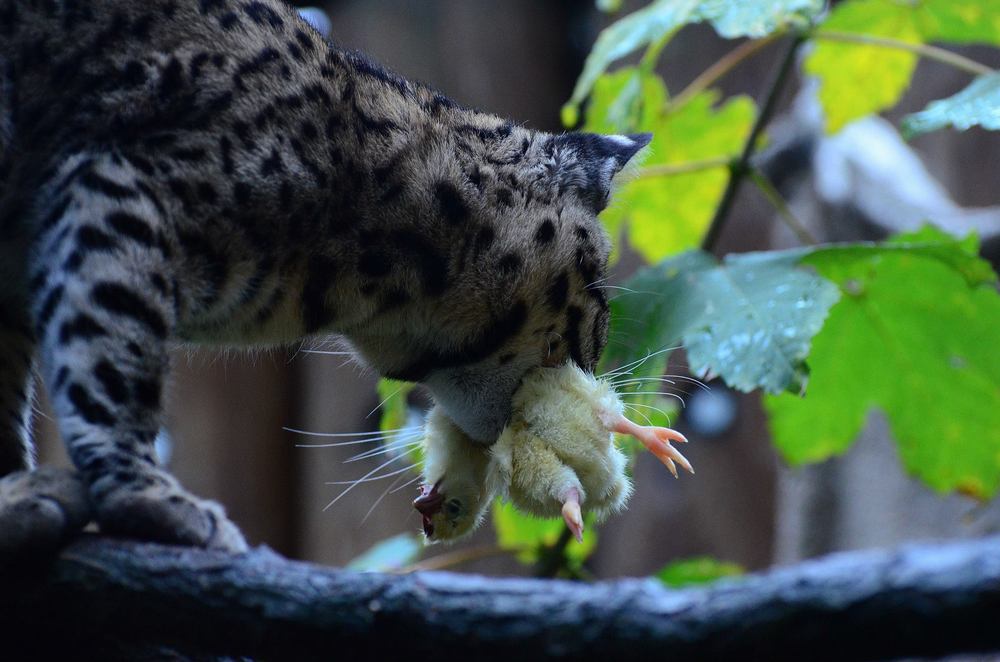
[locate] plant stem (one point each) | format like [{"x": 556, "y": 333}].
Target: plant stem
[
  {"x": 739, "y": 169},
  {"x": 670, "y": 169},
  {"x": 721, "y": 67},
  {"x": 924, "y": 50},
  {"x": 553, "y": 559},
  {"x": 778, "y": 202},
  {"x": 458, "y": 557}
]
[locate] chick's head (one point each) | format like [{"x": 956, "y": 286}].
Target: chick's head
[{"x": 457, "y": 487}]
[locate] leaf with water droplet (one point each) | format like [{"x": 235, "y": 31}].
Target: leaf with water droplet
[
  {"x": 976, "y": 105},
  {"x": 751, "y": 319},
  {"x": 914, "y": 336}
]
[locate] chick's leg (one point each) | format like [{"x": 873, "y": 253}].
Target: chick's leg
[
  {"x": 571, "y": 513},
  {"x": 542, "y": 475},
  {"x": 656, "y": 439}
]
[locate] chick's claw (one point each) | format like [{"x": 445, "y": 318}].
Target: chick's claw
[
  {"x": 657, "y": 440},
  {"x": 572, "y": 515}
]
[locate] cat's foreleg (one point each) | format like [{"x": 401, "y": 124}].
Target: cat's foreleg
[{"x": 107, "y": 306}]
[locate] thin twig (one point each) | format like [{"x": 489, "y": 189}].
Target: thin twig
[
  {"x": 738, "y": 170},
  {"x": 553, "y": 559},
  {"x": 778, "y": 202},
  {"x": 671, "y": 169},
  {"x": 924, "y": 50},
  {"x": 460, "y": 556},
  {"x": 720, "y": 68}
]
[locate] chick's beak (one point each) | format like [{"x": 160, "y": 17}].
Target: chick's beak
[{"x": 427, "y": 504}]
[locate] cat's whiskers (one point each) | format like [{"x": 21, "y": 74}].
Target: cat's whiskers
[
  {"x": 384, "y": 400},
  {"x": 656, "y": 409},
  {"x": 640, "y": 380},
  {"x": 411, "y": 441},
  {"x": 325, "y": 352},
  {"x": 596, "y": 282},
  {"x": 631, "y": 367},
  {"x": 632, "y": 408},
  {"x": 382, "y": 496},
  {"x": 661, "y": 393},
  {"x": 392, "y": 489},
  {"x": 353, "y": 437},
  {"x": 369, "y": 477}
]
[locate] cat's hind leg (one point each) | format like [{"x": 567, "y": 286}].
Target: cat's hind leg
[
  {"x": 17, "y": 347},
  {"x": 39, "y": 510},
  {"x": 106, "y": 305}
]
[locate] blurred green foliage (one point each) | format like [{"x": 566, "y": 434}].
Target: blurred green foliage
[
  {"x": 907, "y": 326},
  {"x": 696, "y": 571}
]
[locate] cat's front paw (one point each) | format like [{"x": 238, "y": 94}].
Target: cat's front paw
[
  {"x": 157, "y": 509},
  {"x": 40, "y": 511}
]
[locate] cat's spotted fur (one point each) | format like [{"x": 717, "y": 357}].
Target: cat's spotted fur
[{"x": 213, "y": 171}]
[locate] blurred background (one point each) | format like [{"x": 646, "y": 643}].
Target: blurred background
[{"x": 520, "y": 59}]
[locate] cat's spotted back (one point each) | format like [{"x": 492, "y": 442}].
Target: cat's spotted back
[{"x": 214, "y": 171}]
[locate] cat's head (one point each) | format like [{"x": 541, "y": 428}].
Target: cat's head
[
  {"x": 512, "y": 258},
  {"x": 540, "y": 285}
]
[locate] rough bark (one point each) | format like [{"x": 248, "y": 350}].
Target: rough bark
[{"x": 125, "y": 599}]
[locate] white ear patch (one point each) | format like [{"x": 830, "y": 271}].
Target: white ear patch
[{"x": 623, "y": 174}]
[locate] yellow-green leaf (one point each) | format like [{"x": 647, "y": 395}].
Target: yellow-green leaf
[
  {"x": 650, "y": 24},
  {"x": 396, "y": 414},
  {"x": 393, "y": 394},
  {"x": 665, "y": 215},
  {"x": 529, "y": 536},
  {"x": 860, "y": 79}
]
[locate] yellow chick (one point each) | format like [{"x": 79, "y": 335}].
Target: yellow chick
[
  {"x": 558, "y": 450},
  {"x": 458, "y": 481},
  {"x": 556, "y": 454}
]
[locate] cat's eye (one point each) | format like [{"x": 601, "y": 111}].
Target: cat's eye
[{"x": 453, "y": 507}]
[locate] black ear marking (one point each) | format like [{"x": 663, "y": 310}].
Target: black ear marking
[{"x": 587, "y": 162}]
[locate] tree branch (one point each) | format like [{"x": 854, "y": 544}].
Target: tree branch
[
  {"x": 739, "y": 168},
  {"x": 123, "y": 598}
]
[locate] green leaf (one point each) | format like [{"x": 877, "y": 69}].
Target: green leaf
[
  {"x": 654, "y": 24},
  {"x": 976, "y": 105},
  {"x": 738, "y": 18},
  {"x": 389, "y": 554},
  {"x": 915, "y": 337},
  {"x": 698, "y": 570},
  {"x": 393, "y": 396},
  {"x": 960, "y": 255},
  {"x": 530, "y": 536},
  {"x": 664, "y": 215},
  {"x": 625, "y": 102},
  {"x": 960, "y": 21},
  {"x": 749, "y": 319},
  {"x": 859, "y": 79},
  {"x": 609, "y": 5},
  {"x": 651, "y": 24}
]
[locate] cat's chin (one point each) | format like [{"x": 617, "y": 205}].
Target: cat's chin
[{"x": 479, "y": 405}]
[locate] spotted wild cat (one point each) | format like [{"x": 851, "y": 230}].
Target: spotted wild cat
[{"x": 212, "y": 171}]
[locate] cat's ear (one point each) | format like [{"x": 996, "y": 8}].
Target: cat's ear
[{"x": 588, "y": 162}]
